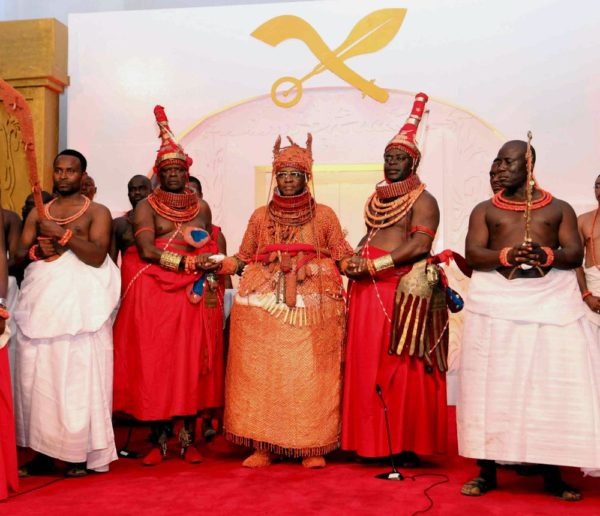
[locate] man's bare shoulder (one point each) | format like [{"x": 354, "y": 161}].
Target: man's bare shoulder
[
  {"x": 586, "y": 217},
  {"x": 426, "y": 199},
  {"x": 482, "y": 207},
  {"x": 121, "y": 223},
  {"x": 143, "y": 206},
  {"x": 11, "y": 217},
  {"x": 562, "y": 205},
  {"x": 99, "y": 210}
]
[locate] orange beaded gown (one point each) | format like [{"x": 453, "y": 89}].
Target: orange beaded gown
[{"x": 283, "y": 379}]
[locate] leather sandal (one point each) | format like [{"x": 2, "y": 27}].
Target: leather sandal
[
  {"x": 563, "y": 491},
  {"x": 477, "y": 487},
  {"x": 76, "y": 470}
]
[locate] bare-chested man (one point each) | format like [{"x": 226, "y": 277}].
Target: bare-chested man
[
  {"x": 169, "y": 330},
  {"x": 402, "y": 219},
  {"x": 63, "y": 380},
  {"x": 526, "y": 353},
  {"x": 138, "y": 188},
  {"x": 588, "y": 276}
]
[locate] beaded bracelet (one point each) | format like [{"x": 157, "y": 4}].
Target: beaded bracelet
[
  {"x": 587, "y": 293},
  {"x": 189, "y": 264},
  {"x": 343, "y": 265},
  {"x": 504, "y": 257},
  {"x": 4, "y": 313},
  {"x": 64, "y": 240},
  {"x": 32, "y": 253},
  {"x": 229, "y": 266},
  {"x": 549, "y": 257}
]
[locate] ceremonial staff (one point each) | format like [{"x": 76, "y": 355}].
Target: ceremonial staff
[
  {"x": 529, "y": 189},
  {"x": 16, "y": 105},
  {"x": 528, "y": 203}
]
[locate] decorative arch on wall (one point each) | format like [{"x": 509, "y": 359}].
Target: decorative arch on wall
[{"x": 232, "y": 152}]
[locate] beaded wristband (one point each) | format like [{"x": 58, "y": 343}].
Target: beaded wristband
[
  {"x": 587, "y": 293},
  {"x": 343, "y": 265},
  {"x": 383, "y": 262},
  {"x": 32, "y": 256},
  {"x": 549, "y": 257},
  {"x": 189, "y": 264},
  {"x": 63, "y": 241},
  {"x": 4, "y": 313},
  {"x": 229, "y": 266},
  {"x": 504, "y": 257},
  {"x": 170, "y": 261}
]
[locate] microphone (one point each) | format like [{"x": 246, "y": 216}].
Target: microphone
[{"x": 394, "y": 474}]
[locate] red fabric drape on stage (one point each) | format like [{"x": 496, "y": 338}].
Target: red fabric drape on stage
[
  {"x": 8, "y": 446},
  {"x": 168, "y": 351},
  {"x": 416, "y": 399}
]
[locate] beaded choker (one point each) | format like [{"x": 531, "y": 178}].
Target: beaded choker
[
  {"x": 292, "y": 210},
  {"x": 176, "y": 207},
  {"x": 501, "y": 202},
  {"x": 67, "y": 220},
  {"x": 385, "y": 190}
]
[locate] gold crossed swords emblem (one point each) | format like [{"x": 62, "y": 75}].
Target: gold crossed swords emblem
[{"x": 369, "y": 35}]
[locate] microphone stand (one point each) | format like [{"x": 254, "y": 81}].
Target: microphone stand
[
  {"x": 394, "y": 474},
  {"x": 125, "y": 452}
]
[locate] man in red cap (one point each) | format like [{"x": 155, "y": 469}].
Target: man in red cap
[
  {"x": 168, "y": 333},
  {"x": 287, "y": 323},
  {"x": 389, "y": 356}
]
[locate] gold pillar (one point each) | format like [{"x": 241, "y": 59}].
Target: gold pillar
[{"x": 33, "y": 60}]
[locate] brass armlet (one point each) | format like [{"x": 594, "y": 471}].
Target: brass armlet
[
  {"x": 170, "y": 260},
  {"x": 383, "y": 262}
]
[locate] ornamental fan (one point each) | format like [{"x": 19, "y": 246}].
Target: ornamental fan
[{"x": 421, "y": 316}]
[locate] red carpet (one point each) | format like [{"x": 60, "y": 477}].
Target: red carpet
[{"x": 220, "y": 485}]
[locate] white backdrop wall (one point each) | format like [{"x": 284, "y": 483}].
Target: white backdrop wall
[
  {"x": 493, "y": 71},
  {"x": 61, "y": 9},
  {"x": 517, "y": 65}
]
